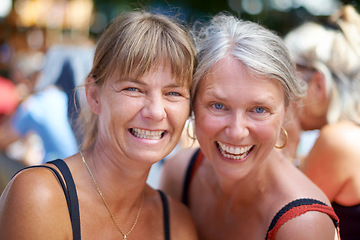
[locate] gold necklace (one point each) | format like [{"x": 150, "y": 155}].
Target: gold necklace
[{"x": 107, "y": 206}]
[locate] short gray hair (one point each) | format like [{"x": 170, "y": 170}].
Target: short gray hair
[{"x": 259, "y": 49}]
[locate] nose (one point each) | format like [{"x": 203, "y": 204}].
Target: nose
[
  {"x": 236, "y": 127},
  {"x": 154, "y": 108}
]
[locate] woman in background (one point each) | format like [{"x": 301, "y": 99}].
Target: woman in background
[{"x": 328, "y": 59}]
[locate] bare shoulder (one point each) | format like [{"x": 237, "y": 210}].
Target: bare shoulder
[
  {"x": 311, "y": 225},
  {"x": 181, "y": 223},
  {"x": 173, "y": 172},
  {"x": 340, "y": 135},
  {"x": 30, "y": 186},
  {"x": 33, "y": 198},
  {"x": 335, "y": 143},
  {"x": 295, "y": 185}
]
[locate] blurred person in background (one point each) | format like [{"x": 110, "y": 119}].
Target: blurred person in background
[
  {"x": 328, "y": 60},
  {"x": 239, "y": 185},
  {"x": 138, "y": 100},
  {"x": 50, "y": 108},
  {"x": 67, "y": 67},
  {"x": 9, "y": 99},
  {"x": 24, "y": 69}
]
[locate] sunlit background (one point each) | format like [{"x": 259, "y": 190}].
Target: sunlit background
[{"x": 34, "y": 25}]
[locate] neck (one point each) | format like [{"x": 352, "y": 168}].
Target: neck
[
  {"x": 121, "y": 183},
  {"x": 247, "y": 189}
]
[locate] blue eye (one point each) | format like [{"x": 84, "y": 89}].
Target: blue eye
[
  {"x": 131, "y": 89},
  {"x": 259, "y": 110},
  {"x": 218, "y": 106},
  {"x": 174, "y": 94}
]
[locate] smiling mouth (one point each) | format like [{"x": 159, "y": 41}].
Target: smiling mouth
[
  {"x": 147, "y": 134},
  {"x": 234, "y": 153}
]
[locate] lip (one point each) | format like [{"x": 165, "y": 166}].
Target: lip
[{"x": 233, "y": 153}]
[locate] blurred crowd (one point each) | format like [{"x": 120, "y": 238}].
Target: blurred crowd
[
  {"x": 39, "y": 106},
  {"x": 45, "y": 52}
]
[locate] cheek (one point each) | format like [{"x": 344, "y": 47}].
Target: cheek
[
  {"x": 115, "y": 112},
  {"x": 264, "y": 131},
  {"x": 207, "y": 124},
  {"x": 266, "y": 134},
  {"x": 178, "y": 114}
]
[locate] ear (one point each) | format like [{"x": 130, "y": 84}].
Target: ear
[
  {"x": 317, "y": 87},
  {"x": 92, "y": 91},
  {"x": 320, "y": 84}
]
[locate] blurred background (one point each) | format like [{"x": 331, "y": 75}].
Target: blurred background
[
  {"x": 34, "y": 25},
  {"x": 55, "y": 38}
]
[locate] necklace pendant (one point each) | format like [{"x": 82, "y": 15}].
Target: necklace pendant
[{"x": 125, "y": 237}]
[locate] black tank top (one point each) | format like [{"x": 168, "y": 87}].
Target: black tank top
[
  {"x": 349, "y": 221},
  {"x": 73, "y": 203}
]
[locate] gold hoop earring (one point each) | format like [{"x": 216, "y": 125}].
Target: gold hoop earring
[
  {"x": 188, "y": 139},
  {"x": 286, "y": 139},
  {"x": 190, "y": 127}
]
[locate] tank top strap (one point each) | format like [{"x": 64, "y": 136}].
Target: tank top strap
[
  {"x": 166, "y": 215},
  {"x": 69, "y": 190},
  {"x": 194, "y": 163},
  {"x": 295, "y": 209},
  {"x": 57, "y": 175},
  {"x": 73, "y": 203}
]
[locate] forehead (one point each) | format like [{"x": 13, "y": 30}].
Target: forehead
[
  {"x": 230, "y": 78},
  {"x": 160, "y": 73},
  {"x": 137, "y": 71}
]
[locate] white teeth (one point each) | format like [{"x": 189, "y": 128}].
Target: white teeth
[
  {"x": 140, "y": 133},
  {"x": 234, "y": 150},
  {"x": 235, "y": 153}
]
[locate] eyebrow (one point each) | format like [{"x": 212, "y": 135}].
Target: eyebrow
[
  {"x": 174, "y": 86},
  {"x": 212, "y": 91},
  {"x": 265, "y": 101},
  {"x": 134, "y": 80},
  {"x": 141, "y": 82},
  {"x": 262, "y": 100}
]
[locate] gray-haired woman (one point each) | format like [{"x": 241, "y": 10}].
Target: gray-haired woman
[{"x": 239, "y": 185}]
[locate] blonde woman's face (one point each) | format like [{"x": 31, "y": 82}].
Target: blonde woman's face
[{"x": 142, "y": 119}]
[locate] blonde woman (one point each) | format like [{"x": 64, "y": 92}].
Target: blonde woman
[
  {"x": 328, "y": 59},
  {"x": 138, "y": 101}
]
